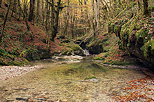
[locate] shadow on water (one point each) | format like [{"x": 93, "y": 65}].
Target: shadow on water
[{"x": 84, "y": 67}]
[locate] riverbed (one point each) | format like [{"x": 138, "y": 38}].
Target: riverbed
[{"x": 73, "y": 81}]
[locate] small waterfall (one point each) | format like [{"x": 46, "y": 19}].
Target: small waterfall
[{"x": 86, "y": 52}]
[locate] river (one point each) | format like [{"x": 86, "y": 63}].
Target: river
[{"x": 79, "y": 80}]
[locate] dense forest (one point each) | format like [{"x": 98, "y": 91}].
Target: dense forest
[
  {"x": 39, "y": 29},
  {"x": 112, "y": 32}
]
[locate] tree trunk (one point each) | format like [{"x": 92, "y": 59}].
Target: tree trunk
[
  {"x": 56, "y": 23},
  {"x": 55, "y": 17},
  {"x": 38, "y": 11},
  {"x": 24, "y": 16},
  {"x": 52, "y": 20},
  {"x": 67, "y": 15},
  {"x": 31, "y": 12},
  {"x": 14, "y": 10},
  {"x": 5, "y": 20},
  {"x": 42, "y": 12},
  {"x": 25, "y": 9},
  {"x": 145, "y": 4},
  {"x": 47, "y": 17},
  {"x": 1, "y": 3}
]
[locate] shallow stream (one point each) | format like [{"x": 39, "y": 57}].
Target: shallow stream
[{"x": 61, "y": 81}]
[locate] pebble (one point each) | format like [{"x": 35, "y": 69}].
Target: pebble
[
  {"x": 7, "y": 72},
  {"x": 91, "y": 80},
  {"x": 22, "y": 98},
  {"x": 41, "y": 99}
]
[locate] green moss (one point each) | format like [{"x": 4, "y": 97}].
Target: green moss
[
  {"x": 32, "y": 53},
  {"x": 117, "y": 29},
  {"x": 131, "y": 28},
  {"x": 95, "y": 43},
  {"x": 124, "y": 37},
  {"x": 121, "y": 45},
  {"x": 110, "y": 27},
  {"x": 75, "y": 47},
  {"x": 20, "y": 62},
  {"x": 6, "y": 54},
  {"x": 9, "y": 59},
  {"x": 148, "y": 48},
  {"x": 123, "y": 63},
  {"x": 71, "y": 48},
  {"x": 124, "y": 31},
  {"x": 91, "y": 77},
  {"x": 142, "y": 33},
  {"x": 67, "y": 51},
  {"x": 138, "y": 26},
  {"x": 98, "y": 58},
  {"x": 151, "y": 9}
]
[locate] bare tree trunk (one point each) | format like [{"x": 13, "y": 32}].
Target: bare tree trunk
[
  {"x": 25, "y": 9},
  {"x": 47, "y": 17},
  {"x": 31, "y": 12},
  {"x": 42, "y": 11},
  {"x": 97, "y": 15},
  {"x": 1, "y": 3},
  {"x": 5, "y": 20},
  {"x": 67, "y": 18},
  {"x": 95, "y": 9},
  {"x": 18, "y": 10},
  {"x": 145, "y": 4},
  {"x": 38, "y": 11},
  {"x": 55, "y": 17},
  {"x": 55, "y": 27},
  {"x": 24, "y": 16},
  {"x": 14, "y": 10}
]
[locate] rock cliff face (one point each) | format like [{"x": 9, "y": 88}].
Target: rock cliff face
[{"x": 136, "y": 36}]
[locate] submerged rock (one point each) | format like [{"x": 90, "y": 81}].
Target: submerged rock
[{"x": 22, "y": 98}]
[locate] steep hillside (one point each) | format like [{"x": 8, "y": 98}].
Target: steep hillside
[
  {"x": 136, "y": 37},
  {"x": 19, "y": 45}
]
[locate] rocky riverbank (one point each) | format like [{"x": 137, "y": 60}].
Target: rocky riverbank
[{"x": 7, "y": 72}]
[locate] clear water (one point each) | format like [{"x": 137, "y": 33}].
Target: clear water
[{"x": 85, "y": 81}]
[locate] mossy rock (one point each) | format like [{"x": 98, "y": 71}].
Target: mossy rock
[
  {"x": 8, "y": 59},
  {"x": 95, "y": 46},
  {"x": 110, "y": 27},
  {"x": 99, "y": 58},
  {"x": 35, "y": 54},
  {"x": 124, "y": 37},
  {"x": 117, "y": 29},
  {"x": 148, "y": 48},
  {"x": 67, "y": 51},
  {"x": 142, "y": 33},
  {"x": 71, "y": 49},
  {"x": 136, "y": 40}
]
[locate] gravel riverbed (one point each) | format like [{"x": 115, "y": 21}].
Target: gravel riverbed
[
  {"x": 7, "y": 72},
  {"x": 75, "y": 82}
]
